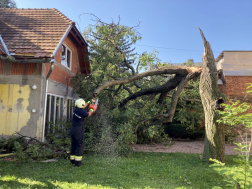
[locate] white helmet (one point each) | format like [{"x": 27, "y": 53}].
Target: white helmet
[{"x": 80, "y": 103}]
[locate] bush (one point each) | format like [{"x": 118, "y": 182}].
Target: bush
[
  {"x": 59, "y": 135},
  {"x": 154, "y": 134},
  {"x": 7, "y": 145},
  {"x": 57, "y": 145},
  {"x": 178, "y": 131},
  {"x": 183, "y": 131},
  {"x": 198, "y": 134},
  {"x": 232, "y": 132}
]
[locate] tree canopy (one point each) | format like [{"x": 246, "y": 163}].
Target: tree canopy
[{"x": 8, "y": 4}]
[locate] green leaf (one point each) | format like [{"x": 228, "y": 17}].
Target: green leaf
[
  {"x": 238, "y": 149},
  {"x": 215, "y": 165},
  {"x": 223, "y": 171},
  {"x": 216, "y": 187}
]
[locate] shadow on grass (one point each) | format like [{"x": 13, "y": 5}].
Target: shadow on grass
[
  {"x": 17, "y": 184},
  {"x": 141, "y": 170}
]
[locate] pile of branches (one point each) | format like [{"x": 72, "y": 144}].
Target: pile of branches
[{"x": 25, "y": 148}]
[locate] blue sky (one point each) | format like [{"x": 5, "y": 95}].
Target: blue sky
[{"x": 168, "y": 26}]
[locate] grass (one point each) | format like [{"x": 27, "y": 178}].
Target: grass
[{"x": 141, "y": 170}]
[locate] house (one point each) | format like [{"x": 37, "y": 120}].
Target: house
[
  {"x": 40, "y": 50},
  {"x": 237, "y": 68}
]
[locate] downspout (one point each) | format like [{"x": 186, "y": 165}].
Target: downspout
[{"x": 46, "y": 85}]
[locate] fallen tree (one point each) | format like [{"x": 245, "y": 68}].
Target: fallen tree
[
  {"x": 136, "y": 102},
  {"x": 210, "y": 96}
]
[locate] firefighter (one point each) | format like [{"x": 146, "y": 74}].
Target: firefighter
[{"x": 77, "y": 131}]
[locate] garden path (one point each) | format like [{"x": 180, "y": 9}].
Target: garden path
[{"x": 181, "y": 146}]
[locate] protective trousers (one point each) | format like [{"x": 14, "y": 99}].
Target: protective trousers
[{"x": 77, "y": 144}]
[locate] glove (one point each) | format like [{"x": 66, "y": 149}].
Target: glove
[
  {"x": 92, "y": 107},
  {"x": 91, "y": 110},
  {"x": 89, "y": 102}
]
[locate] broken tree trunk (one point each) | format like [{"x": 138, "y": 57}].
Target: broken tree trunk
[{"x": 211, "y": 97}]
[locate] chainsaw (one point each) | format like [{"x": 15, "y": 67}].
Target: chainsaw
[{"x": 93, "y": 105}]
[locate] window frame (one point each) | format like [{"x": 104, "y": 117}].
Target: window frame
[
  {"x": 71, "y": 56},
  {"x": 70, "y": 108},
  {"x": 53, "y": 111}
]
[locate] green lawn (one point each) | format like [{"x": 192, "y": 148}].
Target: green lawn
[{"x": 141, "y": 170}]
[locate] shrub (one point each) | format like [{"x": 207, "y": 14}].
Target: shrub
[
  {"x": 183, "y": 131},
  {"x": 178, "y": 131},
  {"x": 57, "y": 144},
  {"x": 7, "y": 145},
  {"x": 198, "y": 134},
  {"x": 232, "y": 132}
]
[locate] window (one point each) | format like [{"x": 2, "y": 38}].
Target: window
[
  {"x": 70, "y": 109},
  {"x": 66, "y": 56},
  {"x": 54, "y": 110}
]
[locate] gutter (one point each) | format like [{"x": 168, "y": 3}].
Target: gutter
[
  {"x": 13, "y": 59},
  {"x": 46, "y": 86}
]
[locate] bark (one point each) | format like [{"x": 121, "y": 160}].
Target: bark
[{"x": 211, "y": 97}]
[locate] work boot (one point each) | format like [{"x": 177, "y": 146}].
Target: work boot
[
  {"x": 72, "y": 161},
  {"x": 79, "y": 163}
]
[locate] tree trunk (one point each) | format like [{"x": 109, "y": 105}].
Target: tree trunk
[{"x": 211, "y": 98}]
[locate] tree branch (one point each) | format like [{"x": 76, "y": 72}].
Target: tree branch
[
  {"x": 221, "y": 76},
  {"x": 152, "y": 96},
  {"x": 175, "y": 97},
  {"x": 168, "y": 86},
  {"x": 182, "y": 70},
  {"x": 31, "y": 138},
  {"x": 127, "y": 89},
  {"x": 117, "y": 90},
  {"x": 177, "y": 92},
  {"x": 124, "y": 87}
]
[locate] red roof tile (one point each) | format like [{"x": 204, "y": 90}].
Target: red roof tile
[{"x": 32, "y": 30}]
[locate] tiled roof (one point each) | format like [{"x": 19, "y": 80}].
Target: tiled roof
[{"x": 34, "y": 32}]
